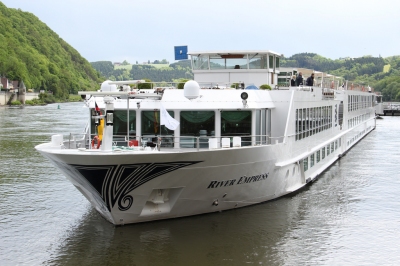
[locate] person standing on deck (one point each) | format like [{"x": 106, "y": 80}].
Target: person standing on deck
[
  {"x": 293, "y": 81},
  {"x": 299, "y": 79},
  {"x": 310, "y": 80}
]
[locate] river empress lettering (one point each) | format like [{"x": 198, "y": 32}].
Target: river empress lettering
[{"x": 242, "y": 180}]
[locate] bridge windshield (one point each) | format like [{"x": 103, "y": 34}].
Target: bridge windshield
[{"x": 235, "y": 61}]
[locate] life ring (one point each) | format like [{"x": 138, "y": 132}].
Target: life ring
[{"x": 98, "y": 142}]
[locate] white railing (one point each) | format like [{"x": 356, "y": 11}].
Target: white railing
[{"x": 82, "y": 140}]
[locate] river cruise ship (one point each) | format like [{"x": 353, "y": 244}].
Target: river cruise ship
[{"x": 230, "y": 138}]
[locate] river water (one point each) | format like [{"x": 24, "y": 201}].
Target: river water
[{"x": 349, "y": 216}]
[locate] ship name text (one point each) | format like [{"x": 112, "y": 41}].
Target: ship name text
[{"x": 241, "y": 180}]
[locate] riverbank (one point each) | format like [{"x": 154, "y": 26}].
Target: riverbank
[{"x": 43, "y": 101}]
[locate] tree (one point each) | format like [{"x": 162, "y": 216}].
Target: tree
[
  {"x": 32, "y": 52},
  {"x": 145, "y": 85}
]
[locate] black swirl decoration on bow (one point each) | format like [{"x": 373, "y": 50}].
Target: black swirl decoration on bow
[{"x": 115, "y": 182}]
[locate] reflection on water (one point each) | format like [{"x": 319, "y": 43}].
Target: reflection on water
[{"x": 350, "y": 215}]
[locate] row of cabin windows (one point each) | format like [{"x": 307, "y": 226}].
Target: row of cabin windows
[
  {"x": 320, "y": 155},
  {"x": 358, "y": 136},
  {"x": 192, "y": 124},
  {"x": 358, "y": 119},
  {"x": 310, "y": 121},
  {"x": 356, "y": 102}
]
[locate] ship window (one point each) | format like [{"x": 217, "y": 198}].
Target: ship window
[
  {"x": 307, "y": 122},
  {"x": 297, "y": 123},
  {"x": 312, "y": 160},
  {"x": 304, "y": 123},
  {"x": 200, "y": 62},
  {"x": 320, "y": 117},
  {"x": 217, "y": 63},
  {"x": 301, "y": 123},
  {"x": 195, "y": 124},
  {"x": 323, "y": 153},
  {"x": 151, "y": 123},
  {"x": 328, "y": 150},
  {"x": 237, "y": 123},
  {"x": 318, "y": 156},
  {"x": 332, "y": 148},
  {"x": 257, "y": 61},
  {"x": 305, "y": 161},
  {"x": 236, "y": 63},
  {"x": 312, "y": 121},
  {"x": 121, "y": 123},
  {"x": 262, "y": 126}
]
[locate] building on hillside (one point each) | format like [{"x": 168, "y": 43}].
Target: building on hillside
[
  {"x": 14, "y": 90},
  {"x": 6, "y": 84},
  {"x": 117, "y": 64}
]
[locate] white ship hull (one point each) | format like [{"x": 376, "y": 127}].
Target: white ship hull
[{"x": 131, "y": 187}]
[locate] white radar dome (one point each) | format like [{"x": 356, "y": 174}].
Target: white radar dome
[
  {"x": 105, "y": 86},
  {"x": 191, "y": 89}
]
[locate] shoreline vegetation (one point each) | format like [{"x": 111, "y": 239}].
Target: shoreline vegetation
[{"x": 45, "y": 99}]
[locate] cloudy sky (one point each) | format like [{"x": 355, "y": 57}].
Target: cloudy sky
[{"x": 141, "y": 30}]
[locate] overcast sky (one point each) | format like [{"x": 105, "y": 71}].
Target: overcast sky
[{"x": 141, "y": 30}]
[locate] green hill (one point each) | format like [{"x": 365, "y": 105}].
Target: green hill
[
  {"x": 153, "y": 72},
  {"x": 32, "y": 52}
]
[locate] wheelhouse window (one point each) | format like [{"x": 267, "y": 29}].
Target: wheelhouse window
[
  {"x": 200, "y": 62},
  {"x": 237, "y": 123},
  {"x": 236, "y": 63},
  {"x": 271, "y": 61},
  {"x": 228, "y": 61},
  {"x": 217, "y": 63},
  {"x": 258, "y": 61}
]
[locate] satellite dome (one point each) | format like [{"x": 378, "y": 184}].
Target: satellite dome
[
  {"x": 105, "y": 86},
  {"x": 191, "y": 89}
]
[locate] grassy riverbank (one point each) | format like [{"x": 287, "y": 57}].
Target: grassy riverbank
[{"x": 46, "y": 99}]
